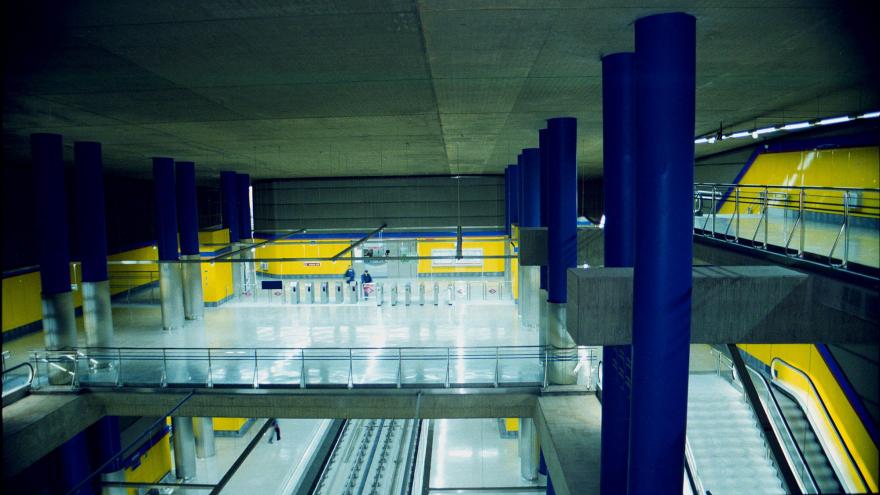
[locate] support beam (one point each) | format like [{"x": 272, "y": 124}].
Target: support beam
[
  {"x": 170, "y": 280},
  {"x": 569, "y": 428},
  {"x": 733, "y": 304},
  {"x": 358, "y": 243}
]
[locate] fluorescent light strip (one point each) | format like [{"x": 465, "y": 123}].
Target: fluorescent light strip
[
  {"x": 797, "y": 125},
  {"x": 835, "y": 120},
  {"x": 701, "y": 140},
  {"x": 740, "y": 134},
  {"x": 765, "y": 130},
  {"x": 869, "y": 115}
]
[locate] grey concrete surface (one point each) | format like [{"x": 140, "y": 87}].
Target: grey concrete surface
[
  {"x": 734, "y": 304},
  {"x": 570, "y": 430},
  {"x": 532, "y": 246}
]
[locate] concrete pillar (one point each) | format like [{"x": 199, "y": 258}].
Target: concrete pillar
[
  {"x": 170, "y": 283},
  {"x": 529, "y": 457},
  {"x": 188, "y": 220},
  {"x": 618, "y": 134},
  {"x": 229, "y": 198},
  {"x": 204, "y": 436},
  {"x": 105, "y": 434},
  {"x": 97, "y": 313},
  {"x": 59, "y": 324},
  {"x": 561, "y": 244},
  {"x": 665, "y": 86},
  {"x": 521, "y": 297},
  {"x": 184, "y": 447},
  {"x": 544, "y": 156},
  {"x": 507, "y": 202}
]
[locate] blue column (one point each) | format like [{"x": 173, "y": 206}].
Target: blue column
[
  {"x": 166, "y": 208},
  {"x": 242, "y": 187},
  {"x": 90, "y": 202},
  {"x": 520, "y": 167},
  {"x": 51, "y": 197},
  {"x": 561, "y": 205},
  {"x": 229, "y": 197},
  {"x": 514, "y": 194},
  {"x": 618, "y": 131},
  {"x": 73, "y": 464},
  {"x": 544, "y": 147},
  {"x": 665, "y": 86},
  {"x": 530, "y": 172},
  {"x": 187, "y": 208},
  {"x": 507, "y": 200}
]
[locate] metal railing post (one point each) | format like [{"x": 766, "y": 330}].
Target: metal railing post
[
  {"x": 209, "y": 381},
  {"x": 256, "y": 370},
  {"x": 546, "y": 366},
  {"x": 736, "y": 205},
  {"x": 801, "y": 212},
  {"x": 74, "y": 383},
  {"x": 350, "y": 370},
  {"x": 399, "y": 367},
  {"x": 766, "y": 215},
  {"x": 845, "y": 228},
  {"x": 164, "y": 368},
  {"x": 302, "y": 369},
  {"x": 447, "y": 367},
  {"x": 36, "y": 380},
  {"x": 119, "y": 368},
  {"x": 496, "y": 366},
  {"x": 714, "y": 210}
]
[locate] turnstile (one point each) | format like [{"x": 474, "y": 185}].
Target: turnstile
[
  {"x": 436, "y": 294},
  {"x": 407, "y": 294},
  {"x": 310, "y": 293},
  {"x": 353, "y": 292},
  {"x": 325, "y": 293},
  {"x": 421, "y": 294},
  {"x": 450, "y": 294},
  {"x": 340, "y": 296},
  {"x": 294, "y": 293},
  {"x": 380, "y": 294},
  {"x": 394, "y": 295}
]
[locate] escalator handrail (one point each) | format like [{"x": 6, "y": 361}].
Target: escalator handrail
[
  {"x": 778, "y": 408},
  {"x": 825, "y": 411}
]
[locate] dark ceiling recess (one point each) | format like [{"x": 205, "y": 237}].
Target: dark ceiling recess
[{"x": 348, "y": 89}]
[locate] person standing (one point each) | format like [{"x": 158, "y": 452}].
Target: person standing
[
  {"x": 366, "y": 278},
  {"x": 276, "y": 434}
]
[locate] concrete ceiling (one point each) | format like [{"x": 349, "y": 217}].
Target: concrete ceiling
[{"x": 393, "y": 87}]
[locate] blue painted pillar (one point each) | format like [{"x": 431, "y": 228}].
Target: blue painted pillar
[
  {"x": 97, "y": 312},
  {"x": 530, "y": 171},
  {"x": 561, "y": 205},
  {"x": 243, "y": 200},
  {"x": 507, "y": 200},
  {"x": 73, "y": 465},
  {"x": 618, "y": 131},
  {"x": 229, "y": 197},
  {"x": 514, "y": 194},
  {"x": 188, "y": 221},
  {"x": 105, "y": 435},
  {"x": 59, "y": 323},
  {"x": 665, "y": 86},
  {"x": 544, "y": 154},
  {"x": 170, "y": 285},
  {"x": 561, "y": 245}
]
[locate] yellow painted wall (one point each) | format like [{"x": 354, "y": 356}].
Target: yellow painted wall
[
  {"x": 229, "y": 424},
  {"x": 219, "y": 236},
  {"x": 155, "y": 463},
  {"x": 304, "y": 249},
  {"x": 127, "y": 277},
  {"x": 807, "y": 358},
  {"x": 491, "y": 246},
  {"x": 511, "y": 424},
  {"x": 843, "y": 167}
]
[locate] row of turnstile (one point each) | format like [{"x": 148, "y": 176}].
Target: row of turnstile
[{"x": 405, "y": 293}]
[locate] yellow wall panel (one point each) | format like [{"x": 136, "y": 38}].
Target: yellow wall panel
[
  {"x": 155, "y": 463},
  {"x": 229, "y": 424},
  {"x": 491, "y": 246},
  {"x": 303, "y": 249}
]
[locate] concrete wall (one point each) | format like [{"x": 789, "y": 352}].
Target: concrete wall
[{"x": 368, "y": 202}]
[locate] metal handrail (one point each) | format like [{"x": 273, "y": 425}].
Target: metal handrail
[
  {"x": 830, "y": 188},
  {"x": 25, "y": 364},
  {"x": 825, "y": 412},
  {"x": 690, "y": 467},
  {"x": 790, "y": 434}
]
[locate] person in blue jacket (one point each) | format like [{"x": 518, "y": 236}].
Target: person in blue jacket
[
  {"x": 366, "y": 279},
  {"x": 349, "y": 275}
]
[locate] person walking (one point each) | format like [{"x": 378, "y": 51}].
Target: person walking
[
  {"x": 277, "y": 432},
  {"x": 349, "y": 275}
]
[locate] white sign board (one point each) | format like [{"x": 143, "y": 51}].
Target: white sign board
[{"x": 452, "y": 262}]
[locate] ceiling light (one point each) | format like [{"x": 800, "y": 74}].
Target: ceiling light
[
  {"x": 765, "y": 130},
  {"x": 740, "y": 134},
  {"x": 701, "y": 140},
  {"x": 869, "y": 115},
  {"x": 835, "y": 120},
  {"x": 797, "y": 125},
  {"x": 712, "y": 139}
]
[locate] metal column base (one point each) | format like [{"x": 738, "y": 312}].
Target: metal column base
[
  {"x": 59, "y": 332},
  {"x": 193, "y": 296},
  {"x": 543, "y": 309},
  {"x": 171, "y": 294},
  {"x": 184, "y": 447},
  {"x": 114, "y": 476},
  {"x": 204, "y": 433},
  {"x": 528, "y": 449},
  {"x": 98, "y": 318},
  {"x": 530, "y": 281},
  {"x": 562, "y": 349}
]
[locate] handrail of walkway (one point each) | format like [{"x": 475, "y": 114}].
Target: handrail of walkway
[{"x": 308, "y": 367}]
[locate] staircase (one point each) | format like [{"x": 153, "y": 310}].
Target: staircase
[
  {"x": 729, "y": 450},
  {"x": 808, "y": 442}
]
